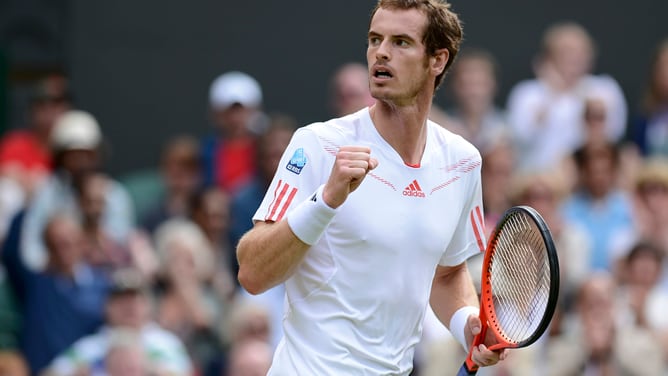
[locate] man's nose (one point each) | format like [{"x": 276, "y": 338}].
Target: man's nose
[{"x": 383, "y": 51}]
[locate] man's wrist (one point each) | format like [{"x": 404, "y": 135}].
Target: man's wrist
[
  {"x": 458, "y": 323},
  {"x": 309, "y": 219}
]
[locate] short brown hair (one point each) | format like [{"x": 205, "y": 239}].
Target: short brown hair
[{"x": 443, "y": 29}]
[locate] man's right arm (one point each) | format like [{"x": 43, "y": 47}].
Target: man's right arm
[
  {"x": 268, "y": 254},
  {"x": 271, "y": 251}
]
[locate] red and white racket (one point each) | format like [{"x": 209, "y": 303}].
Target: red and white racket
[{"x": 520, "y": 283}]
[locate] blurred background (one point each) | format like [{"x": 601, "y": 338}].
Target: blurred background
[
  {"x": 144, "y": 68},
  {"x": 137, "y": 139}
]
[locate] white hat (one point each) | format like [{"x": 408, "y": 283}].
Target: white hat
[
  {"x": 235, "y": 87},
  {"x": 76, "y": 130}
]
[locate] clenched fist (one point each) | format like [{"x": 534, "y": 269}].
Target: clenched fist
[{"x": 350, "y": 167}]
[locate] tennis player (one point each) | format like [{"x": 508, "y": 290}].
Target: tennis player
[{"x": 371, "y": 216}]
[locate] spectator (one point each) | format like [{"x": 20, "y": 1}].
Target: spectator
[
  {"x": 246, "y": 321},
  {"x": 186, "y": 304},
  {"x": 597, "y": 205},
  {"x": 128, "y": 312},
  {"x": 651, "y": 131},
  {"x": 595, "y": 113},
  {"x": 249, "y": 358},
  {"x": 651, "y": 191},
  {"x": 545, "y": 113},
  {"x": 349, "y": 89},
  {"x": 24, "y": 153},
  {"x": 249, "y": 320},
  {"x": 473, "y": 84},
  {"x": 229, "y": 157},
  {"x": 211, "y": 213},
  {"x": 75, "y": 142},
  {"x": 126, "y": 357},
  {"x": 181, "y": 174},
  {"x": 646, "y": 298},
  {"x": 596, "y": 344},
  {"x": 102, "y": 250},
  {"x": 60, "y": 304}
]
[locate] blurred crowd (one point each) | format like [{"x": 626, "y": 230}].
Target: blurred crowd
[{"x": 103, "y": 275}]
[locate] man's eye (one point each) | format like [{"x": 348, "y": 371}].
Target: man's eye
[
  {"x": 374, "y": 41},
  {"x": 401, "y": 43}
]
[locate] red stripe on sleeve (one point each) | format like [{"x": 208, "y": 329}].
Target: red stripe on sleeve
[
  {"x": 287, "y": 204},
  {"x": 277, "y": 199},
  {"x": 477, "y": 233},
  {"x": 481, "y": 220}
]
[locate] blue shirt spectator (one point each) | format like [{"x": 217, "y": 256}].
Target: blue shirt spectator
[
  {"x": 602, "y": 219},
  {"x": 60, "y": 304},
  {"x": 602, "y": 209}
]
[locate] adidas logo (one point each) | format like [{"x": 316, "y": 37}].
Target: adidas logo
[{"x": 414, "y": 190}]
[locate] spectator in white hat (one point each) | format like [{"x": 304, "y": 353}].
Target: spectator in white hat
[
  {"x": 76, "y": 140},
  {"x": 229, "y": 156}
]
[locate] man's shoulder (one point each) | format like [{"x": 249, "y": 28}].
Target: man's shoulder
[
  {"x": 345, "y": 124},
  {"x": 338, "y": 131},
  {"x": 455, "y": 143}
]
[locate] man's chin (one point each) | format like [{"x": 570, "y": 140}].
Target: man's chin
[{"x": 381, "y": 94}]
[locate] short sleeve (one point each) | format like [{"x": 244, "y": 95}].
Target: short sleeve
[
  {"x": 469, "y": 236},
  {"x": 304, "y": 166}
]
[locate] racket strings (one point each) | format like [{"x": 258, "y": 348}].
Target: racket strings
[{"x": 520, "y": 278}]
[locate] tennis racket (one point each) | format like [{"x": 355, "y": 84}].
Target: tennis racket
[{"x": 520, "y": 283}]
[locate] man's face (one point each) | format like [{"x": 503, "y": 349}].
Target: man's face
[
  {"x": 93, "y": 197},
  {"x": 351, "y": 92},
  {"x": 599, "y": 175},
  {"x": 233, "y": 121},
  {"x": 214, "y": 215},
  {"x": 78, "y": 162},
  {"x": 396, "y": 57},
  {"x": 63, "y": 237},
  {"x": 474, "y": 84},
  {"x": 571, "y": 54}
]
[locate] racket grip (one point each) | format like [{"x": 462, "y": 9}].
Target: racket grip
[
  {"x": 469, "y": 367},
  {"x": 464, "y": 371}
]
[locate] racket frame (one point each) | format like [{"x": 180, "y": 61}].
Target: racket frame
[{"x": 487, "y": 314}]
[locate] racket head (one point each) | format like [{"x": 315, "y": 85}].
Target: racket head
[{"x": 520, "y": 278}]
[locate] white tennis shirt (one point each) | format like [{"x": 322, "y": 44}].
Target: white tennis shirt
[{"x": 355, "y": 306}]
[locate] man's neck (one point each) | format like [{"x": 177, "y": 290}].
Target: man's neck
[{"x": 403, "y": 127}]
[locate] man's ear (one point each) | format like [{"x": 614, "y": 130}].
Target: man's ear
[{"x": 439, "y": 60}]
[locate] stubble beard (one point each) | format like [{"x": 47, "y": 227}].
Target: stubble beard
[{"x": 403, "y": 96}]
